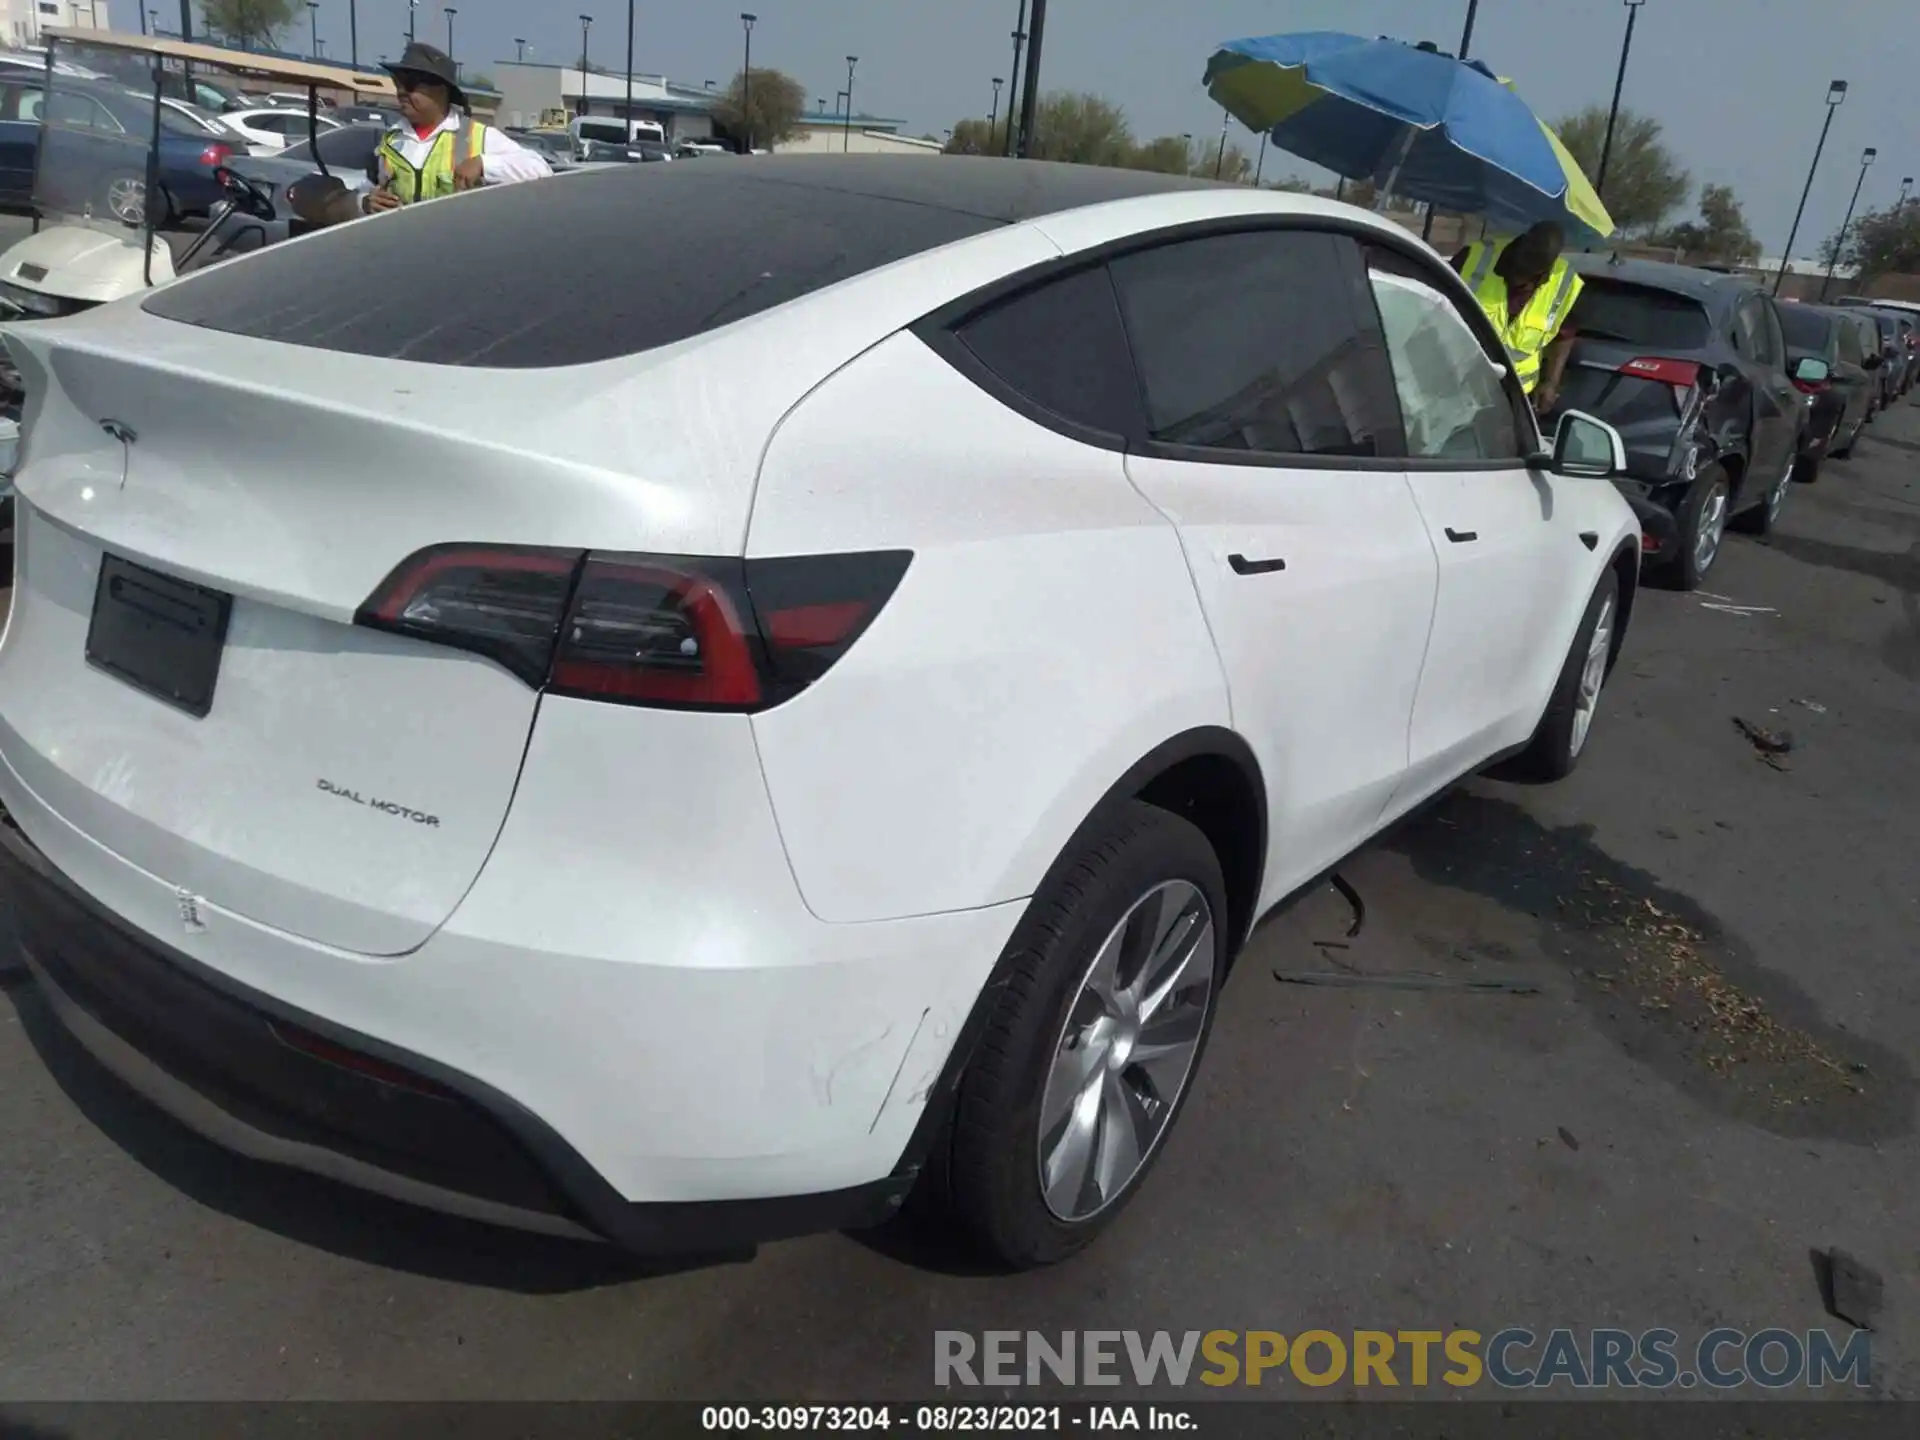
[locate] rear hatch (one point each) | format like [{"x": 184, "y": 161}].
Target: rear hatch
[
  {"x": 1637, "y": 365},
  {"x": 266, "y": 753}
]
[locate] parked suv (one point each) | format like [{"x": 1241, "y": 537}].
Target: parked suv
[
  {"x": 1848, "y": 344},
  {"x": 1691, "y": 367},
  {"x": 1903, "y": 338}
]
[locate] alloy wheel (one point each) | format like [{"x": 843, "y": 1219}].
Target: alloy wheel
[
  {"x": 1126, "y": 1050},
  {"x": 127, "y": 200},
  {"x": 1593, "y": 674},
  {"x": 1712, "y": 528}
]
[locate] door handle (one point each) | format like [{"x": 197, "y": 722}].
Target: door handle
[
  {"x": 1462, "y": 537},
  {"x": 1243, "y": 566}
]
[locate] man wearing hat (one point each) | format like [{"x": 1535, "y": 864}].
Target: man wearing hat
[{"x": 441, "y": 148}]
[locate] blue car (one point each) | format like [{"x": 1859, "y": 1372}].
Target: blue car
[{"x": 97, "y": 138}]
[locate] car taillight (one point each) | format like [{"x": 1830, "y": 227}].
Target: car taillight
[
  {"x": 673, "y": 631},
  {"x": 216, "y": 154},
  {"x": 1810, "y": 387},
  {"x": 1681, "y": 374}
]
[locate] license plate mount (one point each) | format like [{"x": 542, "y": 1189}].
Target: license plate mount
[{"x": 159, "y": 634}]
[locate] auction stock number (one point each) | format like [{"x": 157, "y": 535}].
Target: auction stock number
[{"x": 937, "y": 1419}]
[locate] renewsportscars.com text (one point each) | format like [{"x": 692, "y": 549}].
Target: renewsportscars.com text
[{"x": 1512, "y": 1359}]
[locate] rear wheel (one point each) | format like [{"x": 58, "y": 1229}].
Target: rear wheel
[
  {"x": 1093, "y": 1042},
  {"x": 124, "y": 197},
  {"x": 1703, "y": 526}
]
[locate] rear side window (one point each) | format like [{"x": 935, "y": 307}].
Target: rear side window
[
  {"x": 1640, "y": 315},
  {"x": 1261, "y": 342},
  {"x": 601, "y": 265},
  {"x": 1806, "y": 329},
  {"x": 1063, "y": 347}
]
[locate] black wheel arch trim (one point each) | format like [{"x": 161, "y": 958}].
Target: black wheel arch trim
[{"x": 1204, "y": 742}]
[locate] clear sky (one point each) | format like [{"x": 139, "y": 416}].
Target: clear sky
[{"x": 1739, "y": 84}]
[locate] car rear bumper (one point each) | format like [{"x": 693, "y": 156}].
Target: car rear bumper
[
  {"x": 255, "y": 1077},
  {"x": 1659, "y": 531}
]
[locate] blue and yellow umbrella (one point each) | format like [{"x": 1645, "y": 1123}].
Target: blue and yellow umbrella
[{"x": 1414, "y": 122}]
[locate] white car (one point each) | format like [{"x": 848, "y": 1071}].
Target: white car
[
  {"x": 805, "y": 707},
  {"x": 273, "y": 128}
]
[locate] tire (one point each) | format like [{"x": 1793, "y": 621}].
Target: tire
[
  {"x": 996, "y": 1146},
  {"x": 1688, "y": 570},
  {"x": 1561, "y": 737},
  {"x": 123, "y": 197},
  {"x": 1762, "y": 518}
]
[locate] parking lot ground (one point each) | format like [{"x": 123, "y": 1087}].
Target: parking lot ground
[{"x": 1714, "y": 1079}]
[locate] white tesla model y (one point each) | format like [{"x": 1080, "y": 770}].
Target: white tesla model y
[{"x": 683, "y": 745}]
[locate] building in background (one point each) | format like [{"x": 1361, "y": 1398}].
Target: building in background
[
  {"x": 529, "y": 92},
  {"x": 21, "y": 20},
  {"x": 823, "y": 134}
]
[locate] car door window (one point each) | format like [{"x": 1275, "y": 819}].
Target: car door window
[
  {"x": 1774, "y": 352},
  {"x": 1062, "y": 346},
  {"x": 1453, "y": 395},
  {"x": 1259, "y": 343}
]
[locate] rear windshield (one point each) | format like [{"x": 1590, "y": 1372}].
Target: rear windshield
[
  {"x": 1805, "y": 328},
  {"x": 569, "y": 271},
  {"x": 1638, "y": 315},
  {"x": 1621, "y": 400}
]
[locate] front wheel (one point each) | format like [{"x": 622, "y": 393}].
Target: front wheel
[
  {"x": 1562, "y": 734},
  {"x": 1089, "y": 1053}
]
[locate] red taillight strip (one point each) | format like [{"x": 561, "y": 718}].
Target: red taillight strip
[{"x": 415, "y": 573}]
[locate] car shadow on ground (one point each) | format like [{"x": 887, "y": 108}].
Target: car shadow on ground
[{"x": 312, "y": 1210}]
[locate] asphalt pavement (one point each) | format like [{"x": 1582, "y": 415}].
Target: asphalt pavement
[{"x": 1713, "y": 1080}]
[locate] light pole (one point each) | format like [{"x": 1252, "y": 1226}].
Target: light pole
[
  {"x": 1220, "y": 160},
  {"x": 143, "y": 20},
  {"x": 353, "y": 33},
  {"x": 1013, "y": 93},
  {"x": 451, "y": 12},
  {"x": 1619, "y": 83},
  {"x": 519, "y": 51},
  {"x": 1833, "y": 260},
  {"x": 746, "y": 83},
  {"x": 1261, "y": 168},
  {"x": 1466, "y": 35},
  {"x": 846, "y": 139},
  {"x": 313, "y": 21},
  {"x": 1906, "y": 184},
  {"x": 1030, "y": 102},
  {"x": 413, "y": 10},
  {"x": 1836, "y": 96},
  {"x": 993, "y": 115},
  {"x": 586, "y": 24},
  {"x": 629, "y": 67}
]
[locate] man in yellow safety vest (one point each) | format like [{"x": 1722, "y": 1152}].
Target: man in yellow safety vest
[
  {"x": 1527, "y": 290},
  {"x": 440, "y": 149}
]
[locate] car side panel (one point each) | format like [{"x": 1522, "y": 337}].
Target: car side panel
[{"x": 1046, "y": 637}]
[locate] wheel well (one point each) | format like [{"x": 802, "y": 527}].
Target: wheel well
[
  {"x": 1626, "y": 568},
  {"x": 1216, "y": 794}
]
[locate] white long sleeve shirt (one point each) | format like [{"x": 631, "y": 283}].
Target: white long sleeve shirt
[{"x": 504, "y": 159}]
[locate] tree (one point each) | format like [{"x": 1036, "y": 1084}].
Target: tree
[
  {"x": 1720, "y": 233},
  {"x": 1236, "y": 168},
  {"x": 1081, "y": 130},
  {"x": 1644, "y": 181},
  {"x": 249, "y": 22},
  {"x": 1170, "y": 155},
  {"x": 972, "y": 137},
  {"x": 778, "y": 101},
  {"x": 1880, "y": 242}
]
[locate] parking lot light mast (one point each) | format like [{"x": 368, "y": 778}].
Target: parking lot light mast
[
  {"x": 451, "y": 11},
  {"x": 519, "y": 51},
  {"x": 1261, "y": 168},
  {"x": 746, "y": 84},
  {"x": 586, "y": 24},
  {"x": 413, "y": 11},
  {"x": 846, "y": 139},
  {"x": 313, "y": 22},
  {"x": 1836, "y": 96},
  {"x": 1220, "y": 160},
  {"x": 1013, "y": 92},
  {"x": 1030, "y": 102},
  {"x": 993, "y": 116},
  {"x": 1840, "y": 240},
  {"x": 1906, "y": 184},
  {"x": 629, "y": 67},
  {"x": 1619, "y": 84}
]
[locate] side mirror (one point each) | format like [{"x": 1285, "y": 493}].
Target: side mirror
[
  {"x": 1587, "y": 448},
  {"x": 1812, "y": 370}
]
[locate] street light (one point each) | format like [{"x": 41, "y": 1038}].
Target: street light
[
  {"x": 353, "y": 33},
  {"x": 586, "y": 24},
  {"x": 1220, "y": 161},
  {"x": 1013, "y": 93},
  {"x": 1261, "y": 168},
  {"x": 1030, "y": 101},
  {"x": 1906, "y": 184},
  {"x": 993, "y": 116},
  {"x": 846, "y": 140},
  {"x": 143, "y": 19},
  {"x": 451, "y": 12},
  {"x": 629, "y": 115},
  {"x": 1866, "y": 158},
  {"x": 313, "y": 20},
  {"x": 1836, "y": 96},
  {"x": 746, "y": 83},
  {"x": 520, "y": 50},
  {"x": 1619, "y": 83},
  {"x": 413, "y": 8}
]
